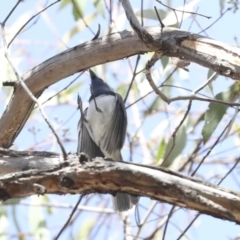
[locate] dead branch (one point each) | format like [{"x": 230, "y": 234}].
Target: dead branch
[{"x": 53, "y": 175}]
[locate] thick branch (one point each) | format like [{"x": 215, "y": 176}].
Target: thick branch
[
  {"x": 105, "y": 176},
  {"x": 222, "y": 58}
]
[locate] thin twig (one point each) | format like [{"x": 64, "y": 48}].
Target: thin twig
[
  {"x": 70, "y": 217},
  {"x": 183, "y": 11},
  {"x": 110, "y": 11},
  {"x": 167, "y": 221},
  {"x": 190, "y": 224},
  {"x": 10, "y": 13},
  {"x": 162, "y": 85},
  {"x": 143, "y": 34},
  {"x": 211, "y": 78},
  {"x": 101, "y": 220},
  {"x": 193, "y": 19},
  {"x": 184, "y": 3},
  {"x": 142, "y": 13},
  {"x": 187, "y": 97},
  {"x": 150, "y": 209},
  {"x": 66, "y": 206},
  {"x": 25, "y": 87},
  {"x": 189, "y": 107},
  {"x": 164, "y": 161},
  {"x": 80, "y": 16},
  {"x": 230, "y": 170},
  {"x": 133, "y": 77},
  {"x": 63, "y": 89},
  {"x": 192, "y": 156},
  {"x": 160, "y": 225},
  {"x": 29, "y": 20},
  {"x": 176, "y": 130},
  {"x": 194, "y": 172},
  {"x": 159, "y": 19},
  {"x": 210, "y": 150},
  {"x": 215, "y": 21},
  {"x": 149, "y": 65}
]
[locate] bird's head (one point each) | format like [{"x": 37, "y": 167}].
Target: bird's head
[{"x": 98, "y": 86}]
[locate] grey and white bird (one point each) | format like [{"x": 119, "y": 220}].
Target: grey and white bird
[{"x": 102, "y": 131}]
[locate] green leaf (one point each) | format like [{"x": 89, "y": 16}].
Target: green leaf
[
  {"x": 161, "y": 150},
  {"x": 201, "y": 118},
  {"x": 157, "y": 102},
  {"x": 64, "y": 3},
  {"x": 3, "y": 223},
  {"x": 3, "y": 211},
  {"x": 210, "y": 73},
  {"x": 180, "y": 142},
  {"x": 231, "y": 123},
  {"x": 221, "y": 4},
  {"x": 171, "y": 18},
  {"x": 86, "y": 229},
  {"x": 154, "y": 106},
  {"x": 12, "y": 201},
  {"x": 214, "y": 115},
  {"x": 46, "y": 200},
  {"x": 122, "y": 90},
  {"x": 78, "y": 9},
  {"x": 99, "y": 6},
  {"x": 151, "y": 14},
  {"x": 36, "y": 217},
  {"x": 78, "y": 27},
  {"x": 164, "y": 61}
]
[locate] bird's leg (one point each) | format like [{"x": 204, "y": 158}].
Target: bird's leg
[
  {"x": 79, "y": 101},
  {"x": 98, "y": 109}
]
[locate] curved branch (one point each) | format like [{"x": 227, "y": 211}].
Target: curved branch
[{"x": 222, "y": 58}]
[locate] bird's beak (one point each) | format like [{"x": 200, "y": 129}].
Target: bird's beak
[{"x": 92, "y": 74}]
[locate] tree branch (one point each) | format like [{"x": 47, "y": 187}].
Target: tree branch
[
  {"x": 53, "y": 175},
  {"x": 222, "y": 58}
]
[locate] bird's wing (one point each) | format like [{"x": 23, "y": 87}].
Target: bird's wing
[
  {"x": 85, "y": 142},
  {"x": 114, "y": 137}
]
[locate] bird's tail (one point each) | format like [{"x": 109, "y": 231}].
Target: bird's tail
[{"x": 123, "y": 202}]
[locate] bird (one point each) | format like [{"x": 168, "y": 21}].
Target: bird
[{"x": 102, "y": 130}]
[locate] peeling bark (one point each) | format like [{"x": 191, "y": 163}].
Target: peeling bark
[{"x": 55, "y": 176}]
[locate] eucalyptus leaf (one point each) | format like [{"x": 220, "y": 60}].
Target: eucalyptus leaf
[
  {"x": 154, "y": 106},
  {"x": 161, "y": 150},
  {"x": 78, "y": 8},
  {"x": 165, "y": 61},
  {"x": 151, "y": 14},
  {"x": 78, "y": 27},
  {"x": 180, "y": 142},
  {"x": 221, "y": 4},
  {"x": 12, "y": 201},
  {"x": 209, "y": 75},
  {"x": 64, "y": 3},
  {"x": 99, "y": 5},
  {"x": 36, "y": 217},
  {"x": 86, "y": 229},
  {"x": 174, "y": 17},
  {"x": 214, "y": 115}
]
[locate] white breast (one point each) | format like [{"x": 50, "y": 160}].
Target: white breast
[{"x": 98, "y": 122}]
